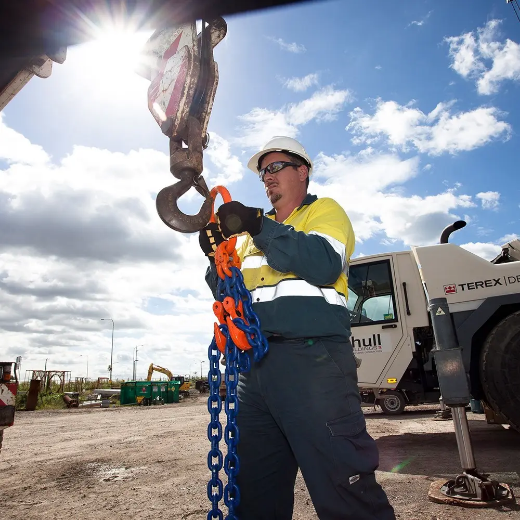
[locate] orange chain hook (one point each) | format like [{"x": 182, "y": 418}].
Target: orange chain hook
[{"x": 226, "y": 257}]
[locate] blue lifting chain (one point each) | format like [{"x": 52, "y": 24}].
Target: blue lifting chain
[{"x": 237, "y": 361}]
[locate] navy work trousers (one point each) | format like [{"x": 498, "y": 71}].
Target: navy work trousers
[{"x": 299, "y": 407}]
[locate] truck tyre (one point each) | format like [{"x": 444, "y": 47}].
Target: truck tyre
[
  {"x": 392, "y": 402},
  {"x": 500, "y": 369}
]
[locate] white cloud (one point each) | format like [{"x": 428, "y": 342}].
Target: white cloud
[
  {"x": 427, "y": 167},
  {"x": 228, "y": 165},
  {"x": 296, "y": 48},
  {"x": 464, "y": 53},
  {"x": 371, "y": 189},
  {"x": 15, "y": 148},
  {"x": 323, "y": 105},
  {"x": 262, "y": 124},
  {"x": 489, "y": 199},
  {"x": 433, "y": 133},
  {"x": 421, "y": 22},
  {"x": 483, "y": 57},
  {"x": 482, "y": 231},
  {"x": 81, "y": 240},
  {"x": 506, "y": 65},
  {"x": 484, "y": 249},
  {"x": 507, "y": 238},
  {"x": 301, "y": 84},
  {"x": 378, "y": 67}
]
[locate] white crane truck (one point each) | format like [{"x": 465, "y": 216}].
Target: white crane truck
[{"x": 392, "y": 331}]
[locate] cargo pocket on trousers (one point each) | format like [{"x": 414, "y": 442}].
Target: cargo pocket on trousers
[{"x": 355, "y": 452}]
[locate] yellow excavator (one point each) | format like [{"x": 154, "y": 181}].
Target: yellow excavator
[{"x": 184, "y": 389}]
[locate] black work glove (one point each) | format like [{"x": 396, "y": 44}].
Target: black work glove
[
  {"x": 234, "y": 218},
  {"x": 209, "y": 239}
]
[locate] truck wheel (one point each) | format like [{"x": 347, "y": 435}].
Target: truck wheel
[
  {"x": 500, "y": 369},
  {"x": 392, "y": 402}
]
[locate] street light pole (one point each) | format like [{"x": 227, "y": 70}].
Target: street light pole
[
  {"x": 86, "y": 355},
  {"x": 201, "y": 368},
  {"x": 112, "y": 350},
  {"x": 135, "y": 362}
]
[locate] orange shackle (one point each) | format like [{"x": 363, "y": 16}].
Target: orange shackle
[{"x": 226, "y": 197}]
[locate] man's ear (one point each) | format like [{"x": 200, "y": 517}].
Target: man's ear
[{"x": 303, "y": 171}]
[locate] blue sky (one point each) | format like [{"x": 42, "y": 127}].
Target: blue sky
[{"x": 410, "y": 112}]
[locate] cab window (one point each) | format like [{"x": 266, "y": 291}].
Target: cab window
[{"x": 371, "y": 297}]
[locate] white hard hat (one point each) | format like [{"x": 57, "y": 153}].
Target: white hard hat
[{"x": 280, "y": 144}]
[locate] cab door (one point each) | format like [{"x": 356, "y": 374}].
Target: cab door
[{"x": 373, "y": 303}]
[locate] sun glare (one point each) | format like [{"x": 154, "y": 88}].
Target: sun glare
[
  {"x": 115, "y": 52},
  {"x": 105, "y": 68}
]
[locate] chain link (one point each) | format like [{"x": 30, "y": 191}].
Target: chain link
[{"x": 246, "y": 328}]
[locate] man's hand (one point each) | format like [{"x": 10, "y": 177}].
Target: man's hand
[
  {"x": 234, "y": 218},
  {"x": 209, "y": 239}
]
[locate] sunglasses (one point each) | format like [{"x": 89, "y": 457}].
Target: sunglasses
[{"x": 275, "y": 167}]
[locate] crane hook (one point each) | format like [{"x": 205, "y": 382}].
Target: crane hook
[
  {"x": 186, "y": 165},
  {"x": 169, "y": 211}
]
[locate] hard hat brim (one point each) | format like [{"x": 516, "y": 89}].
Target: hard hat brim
[{"x": 253, "y": 162}]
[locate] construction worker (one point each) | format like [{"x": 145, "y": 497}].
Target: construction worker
[{"x": 299, "y": 407}]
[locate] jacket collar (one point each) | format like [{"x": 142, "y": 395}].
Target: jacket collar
[{"x": 307, "y": 201}]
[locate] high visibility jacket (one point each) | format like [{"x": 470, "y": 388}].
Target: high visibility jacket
[{"x": 297, "y": 271}]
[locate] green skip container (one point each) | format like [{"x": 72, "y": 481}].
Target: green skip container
[
  {"x": 146, "y": 392},
  {"x": 159, "y": 391},
  {"x": 127, "y": 395},
  {"x": 173, "y": 391}
]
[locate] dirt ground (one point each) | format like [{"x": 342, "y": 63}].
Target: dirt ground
[{"x": 150, "y": 462}]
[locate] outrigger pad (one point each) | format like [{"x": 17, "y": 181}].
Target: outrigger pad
[{"x": 435, "y": 494}]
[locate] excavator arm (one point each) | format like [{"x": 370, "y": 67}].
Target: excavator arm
[
  {"x": 184, "y": 389},
  {"x": 156, "y": 368}
]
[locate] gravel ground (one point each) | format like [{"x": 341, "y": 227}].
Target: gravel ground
[{"x": 150, "y": 462}]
